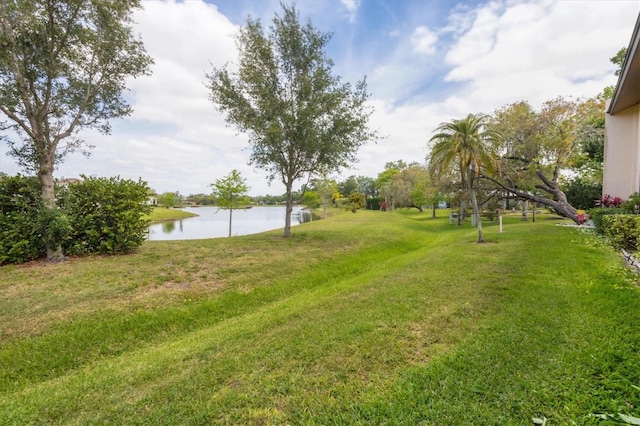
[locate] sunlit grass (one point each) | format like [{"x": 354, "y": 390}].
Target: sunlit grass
[{"x": 366, "y": 318}]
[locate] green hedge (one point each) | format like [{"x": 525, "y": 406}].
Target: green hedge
[
  {"x": 106, "y": 215},
  {"x": 373, "y": 203},
  {"x": 622, "y": 230},
  {"x": 99, "y": 215},
  {"x": 598, "y": 214},
  {"x": 582, "y": 194},
  {"x": 21, "y": 224}
]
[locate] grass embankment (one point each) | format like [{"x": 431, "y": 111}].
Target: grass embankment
[
  {"x": 160, "y": 214},
  {"x": 363, "y": 318}
]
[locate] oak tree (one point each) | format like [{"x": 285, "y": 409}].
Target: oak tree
[
  {"x": 300, "y": 119},
  {"x": 538, "y": 146}
]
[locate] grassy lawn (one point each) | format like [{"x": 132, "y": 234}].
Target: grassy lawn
[
  {"x": 160, "y": 214},
  {"x": 367, "y": 318}
]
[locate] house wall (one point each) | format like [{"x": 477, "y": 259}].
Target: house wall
[{"x": 622, "y": 153}]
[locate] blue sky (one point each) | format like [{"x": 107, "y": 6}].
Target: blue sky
[{"x": 426, "y": 61}]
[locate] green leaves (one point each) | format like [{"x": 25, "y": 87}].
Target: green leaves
[
  {"x": 230, "y": 191},
  {"x": 300, "y": 119},
  {"x": 64, "y": 66},
  {"x": 21, "y": 233},
  {"x": 467, "y": 143},
  {"x": 106, "y": 215}
]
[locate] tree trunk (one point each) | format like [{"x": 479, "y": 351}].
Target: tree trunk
[
  {"x": 230, "y": 218},
  {"x": 476, "y": 212},
  {"x": 288, "y": 209},
  {"x": 433, "y": 211},
  {"x": 463, "y": 207},
  {"x": 54, "y": 253},
  {"x": 559, "y": 201}
]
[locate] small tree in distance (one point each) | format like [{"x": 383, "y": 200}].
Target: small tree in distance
[
  {"x": 168, "y": 200},
  {"x": 231, "y": 192}
]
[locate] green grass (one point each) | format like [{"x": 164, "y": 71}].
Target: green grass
[
  {"x": 367, "y": 318},
  {"x": 160, "y": 214}
]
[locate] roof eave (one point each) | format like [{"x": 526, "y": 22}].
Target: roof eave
[{"x": 627, "y": 91}]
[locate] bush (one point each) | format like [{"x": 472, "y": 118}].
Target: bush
[
  {"x": 632, "y": 205},
  {"x": 609, "y": 201},
  {"x": 582, "y": 194},
  {"x": 622, "y": 230},
  {"x": 355, "y": 202},
  {"x": 311, "y": 200},
  {"x": 105, "y": 214},
  {"x": 21, "y": 225},
  {"x": 373, "y": 203},
  {"x": 598, "y": 213},
  {"x": 99, "y": 215}
]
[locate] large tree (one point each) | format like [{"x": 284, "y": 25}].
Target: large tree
[
  {"x": 468, "y": 145},
  {"x": 63, "y": 67},
  {"x": 300, "y": 119},
  {"x": 538, "y": 147}
]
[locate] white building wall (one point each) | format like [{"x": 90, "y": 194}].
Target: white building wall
[{"x": 622, "y": 153}]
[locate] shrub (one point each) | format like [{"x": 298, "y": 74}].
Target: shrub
[
  {"x": 632, "y": 205},
  {"x": 355, "y": 202},
  {"x": 373, "y": 203},
  {"x": 311, "y": 200},
  {"x": 598, "y": 213},
  {"x": 21, "y": 226},
  {"x": 608, "y": 201},
  {"x": 582, "y": 194},
  {"x": 622, "y": 230},
  {"x": 106, "y": 215},
  {"x": 56, "y": 225}
]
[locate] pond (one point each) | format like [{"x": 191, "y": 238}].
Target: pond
[{"x": 214, "y": 223}]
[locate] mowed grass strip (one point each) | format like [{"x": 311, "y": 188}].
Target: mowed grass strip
[
  {"x": 369, "y": 318},
  {"x": 58, "y": 317}
]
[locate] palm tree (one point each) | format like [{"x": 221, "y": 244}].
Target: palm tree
[{"x": 468, "y": 145}]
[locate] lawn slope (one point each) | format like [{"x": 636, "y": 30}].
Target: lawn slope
[{"x": 367, "y": 318}]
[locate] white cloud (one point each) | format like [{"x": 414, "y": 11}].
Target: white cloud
[
  {"x": 424, "y": 40},
  {"x": 352, "y": 7},
  {"x": 499, "y": 53},
  {"x": 539, "y": 50},
  {"x": 175, "y": 138}
]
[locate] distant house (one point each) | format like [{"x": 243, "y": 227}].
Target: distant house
[
  {"x": 152, "y": 200},
  {"x": 622, "y": 127},
  {"x": 68, "y": 181}
]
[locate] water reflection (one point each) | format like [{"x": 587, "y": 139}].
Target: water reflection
[
  {"x": 214, "y": 223},
  {"x": 168, "y": 227}
]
